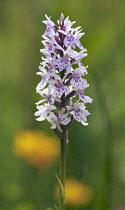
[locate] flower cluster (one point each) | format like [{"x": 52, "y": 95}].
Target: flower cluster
[{"x": 61, "y": 70}]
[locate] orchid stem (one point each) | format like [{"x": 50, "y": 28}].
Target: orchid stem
[{"x": 63, "y": 144}]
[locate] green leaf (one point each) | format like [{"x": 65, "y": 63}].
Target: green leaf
[
  {"x": 55, "y": 207},
  {"x": 49, "y": 209},
  {"x": 61, "y": 186}
]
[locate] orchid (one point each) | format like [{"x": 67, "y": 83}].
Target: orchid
[
  {"x": 60, "y": 81},
  {"x": 62, "y": 84}
]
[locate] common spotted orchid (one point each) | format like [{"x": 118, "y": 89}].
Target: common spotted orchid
[{"x": 62, "y": 74}]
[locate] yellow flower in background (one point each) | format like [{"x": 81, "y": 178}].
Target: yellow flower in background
[
  {"x": 36, "y": 147},
  {"x": 76, "y": 193}
]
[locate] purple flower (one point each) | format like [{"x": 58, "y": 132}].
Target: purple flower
[
  {"x": 85, "y": 99},
  {"x": 50, "y": 26},
  {"x": 62, "y": 83},
  {"x": 63, "y": 119},
  {"x": 60, "y": 89},
  {"x": 43, "y": 111},
  {"x": 73, "y": 41},
  {"x": 78, "y": 83},
  {"x": 63, "y": 63},
  {"x": 69, "y": 41},
  {"x": 79, "y": 112},
  {"x": 57, "y": 121},
  {"x": 80, "y": 115}
]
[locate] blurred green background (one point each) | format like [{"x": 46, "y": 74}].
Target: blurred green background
[{"x": 96, "y": 153}]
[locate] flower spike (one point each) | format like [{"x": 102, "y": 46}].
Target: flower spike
[{"x": 62, "y": 84}]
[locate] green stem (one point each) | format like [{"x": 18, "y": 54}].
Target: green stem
[{"x": 63, "y": 143}]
